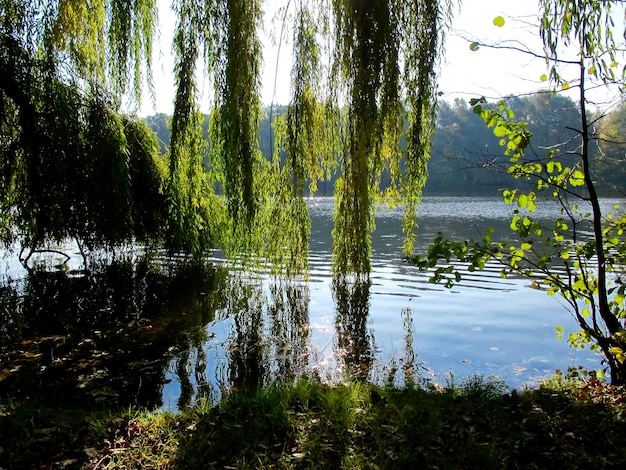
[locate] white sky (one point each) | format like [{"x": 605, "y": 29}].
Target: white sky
[{"x": 463, "y": 73}]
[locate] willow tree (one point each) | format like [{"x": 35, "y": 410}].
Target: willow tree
[
  {"x": 350, "y": 113},
  {"x": 71, "y": 165},
  {"x": 362, "y": 72},
  {"x": 385, "y": 58}
]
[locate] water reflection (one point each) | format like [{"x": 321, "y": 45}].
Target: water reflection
[
  {"x": 161, "y": 332},
  {"x": 79, "y": 338},
  {"x": 259, "y": 335},
  {"x": 353, "y": 340},
  {"x": 288, "y": 314},
  {"x": 247, "y": 351}
]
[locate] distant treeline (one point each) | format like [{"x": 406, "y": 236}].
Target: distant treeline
[{"x": 466, "y": 158}]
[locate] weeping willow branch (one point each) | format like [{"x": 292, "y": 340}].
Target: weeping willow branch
[
  {"x": 69, "y": 169},
  {"x": 423, "y": 27},
  {"x": 369, "y": 37},
  {"x": 347, "y": 116},
  {"x": 299, "y": 150}
]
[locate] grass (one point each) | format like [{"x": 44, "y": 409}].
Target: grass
[{"x": 561, "y": 424}]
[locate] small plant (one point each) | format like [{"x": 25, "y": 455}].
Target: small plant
[{"x": 581, "y": 256}]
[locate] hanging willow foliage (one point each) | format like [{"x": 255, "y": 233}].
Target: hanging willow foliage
[
  {"x": 367, "y": 61},
  {"x": 71, "y": 165},
  {"x": 373, "y": 39},
  {"x": 363, "y": 72},
  {"x": 422, "y": 34},
  {"x": 225, "y": 33},
  {"x": 350, "y": 114},
  {"x": 302, "y": 149}
]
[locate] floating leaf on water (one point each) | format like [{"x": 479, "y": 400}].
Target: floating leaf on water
[
  {"x": 139, "y": 363},
  {"x": 31, "y": 355}
]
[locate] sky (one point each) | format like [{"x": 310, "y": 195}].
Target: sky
[{"x": 463, "y": 73}]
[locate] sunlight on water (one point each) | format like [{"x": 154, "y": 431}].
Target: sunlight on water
[
  {"x": 486, "y": 325},
  {"x": 186, "y": 331}
]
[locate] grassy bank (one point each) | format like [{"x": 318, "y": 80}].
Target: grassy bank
[{"x": 562, "y": 424}]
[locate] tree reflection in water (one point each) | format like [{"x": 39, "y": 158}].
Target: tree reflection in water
[
  {"x": 247, "y": 351},
  {"x": 105, "y": 333},
  {"x": 268, "y": 334},
  {"x": 353, "y": 340},
  {"x": 289, "y": 327},
  {"x": 123, "y": 330}
]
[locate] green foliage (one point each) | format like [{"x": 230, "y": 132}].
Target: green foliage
[
  {"x": 581, "y": 256},
  {"x": 71, "y": 165},
  {"x": 586, "y": 26},
  {"x": 348, "y": 116},
  {"x": 370, "y": 39},
  {"x": 311, "y": 425},
  {"x": 69, "y": 169},
  {"x": 304, "y": 148},
  {"x": 147, "y": 171},
  {"x": 82, "y": 60},
  {"x": 237, "y": 79}
]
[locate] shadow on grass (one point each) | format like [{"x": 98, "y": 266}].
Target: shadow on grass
[
  {"x": 361, "y": 426},
  {"x": 311, "y": 425}
]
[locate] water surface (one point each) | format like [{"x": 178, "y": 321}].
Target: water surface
[
  {"x": 400, "y": 324},
  {"x": 160, "y": 332}
]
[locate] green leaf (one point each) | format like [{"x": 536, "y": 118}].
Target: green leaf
[
  {"x": 559, "y": 332},
  {"x": 515, "y": 221},
  {"x": 500, "y": 131},
  {"x": 498, "y": 21},
  {"x": 508, "y": 196},
  {"x": 554, "y": 167},
  {"x": 577, "y": 179}
]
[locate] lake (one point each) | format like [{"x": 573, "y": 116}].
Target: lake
[
  {"x": 400, "y": 323},
  {"x": 166, "y": 335}
]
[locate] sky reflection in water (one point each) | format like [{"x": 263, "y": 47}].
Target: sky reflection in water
[
  {"x": 163, "y": 334},
  {"x": 398, "y": 325}
]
